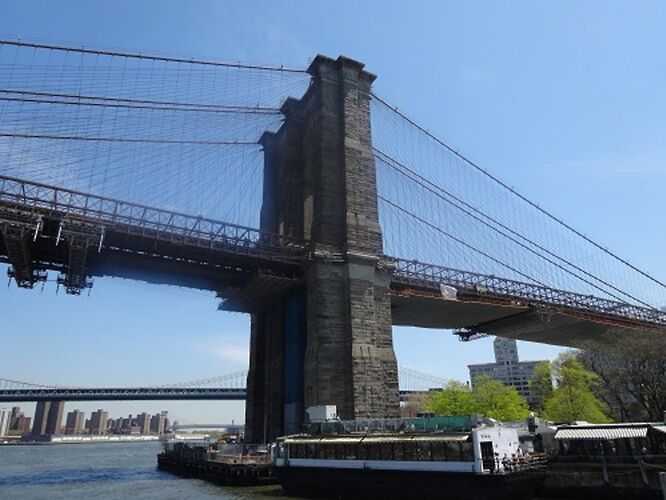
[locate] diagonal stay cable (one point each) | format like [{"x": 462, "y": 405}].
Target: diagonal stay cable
[
  {"x": 125, "y": 139},
  {"x": 515, "y": 192},
  {"x": 462, "y": 242},
  {"x": 152, "y": 107},
  {"x": 133, "y": 100},
  {"x": 433, "y": 188}
]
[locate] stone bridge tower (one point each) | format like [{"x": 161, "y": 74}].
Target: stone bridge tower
[{"x": 329, "y": 342}]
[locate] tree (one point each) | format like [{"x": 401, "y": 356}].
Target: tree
[
  {"x": 454, "y": 399},
  {"x": 489, "y": 397},
  {"x": 633, "y": 374},
  {"x": 573, "y": 399},
  {"x": 541, "y": 385},
  {"x": 495, "y": 400}
]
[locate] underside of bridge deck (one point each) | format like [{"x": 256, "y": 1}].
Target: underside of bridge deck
[{"x": 477, "y": 314}]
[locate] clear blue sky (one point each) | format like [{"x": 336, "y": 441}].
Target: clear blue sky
[{"x": 564, "y": 100}]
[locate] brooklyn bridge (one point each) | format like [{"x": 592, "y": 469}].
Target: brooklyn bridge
[{"x": 300, "y": 197}]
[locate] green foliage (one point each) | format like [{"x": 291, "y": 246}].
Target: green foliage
[
  {"x": 541, "y": 385},
  {"x": 574, "y": 399},
  {"x": 496, "y": 400},
  {"x": 454, "y": 399},
  {"x": 489, "y": 397}
]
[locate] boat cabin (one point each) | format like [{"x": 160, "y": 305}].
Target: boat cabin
[
  {"x": 611, "y": 440},
  {"x": 483, "y": 450}
]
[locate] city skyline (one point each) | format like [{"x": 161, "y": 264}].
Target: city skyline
[
  {"x": 544, "y": 127},
  {"x": 53, "y": 418}
]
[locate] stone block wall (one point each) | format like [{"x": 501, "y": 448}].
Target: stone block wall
[{"x": 320, "y": 184}]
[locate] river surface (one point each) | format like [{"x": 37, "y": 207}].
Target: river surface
[{"x": 104, "y": 471}]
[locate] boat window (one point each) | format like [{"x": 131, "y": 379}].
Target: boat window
[
  {"x": 452, "y": 450},
  {"x": 399, "y": 451},
  {"x": 375, "y": 451},
  {"x": 386, "y": 451},
  {"x": 411, "y": 452},
  {"x": 423, "y": 449},
  {"x": 466, "y": 451},
  {"x": 325, "y": 451},
  {"x": 439, "y": 450},
  {"x": 350, "y": 451},
  {"x": 340, "y": 451},
  {"x": 330, "y": 451},
  {"x": 310, "y": 451},
  {"x": 362, "y": 451}
]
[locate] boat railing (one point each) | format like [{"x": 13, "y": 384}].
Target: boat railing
[
  {"x": 609, "y": 459},
  {"x": 532, "y": 462},
  {"x": 240, "y": 454},
  {"x": 412, "y": 424}
]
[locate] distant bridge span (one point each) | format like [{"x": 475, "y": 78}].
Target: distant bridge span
[
  {"x": 122, "y": 394},
  {"x": 135, "y": 394}
]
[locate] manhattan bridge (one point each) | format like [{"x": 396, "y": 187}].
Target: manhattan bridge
[{"x": 300, "y": 197}]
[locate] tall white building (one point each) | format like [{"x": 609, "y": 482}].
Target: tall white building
[
  {"x": 507, "y": 367},
  {"x": 5, "y": 418}
]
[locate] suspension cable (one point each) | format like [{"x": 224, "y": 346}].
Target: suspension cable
[
  {"x": 514, "y": 191},
  {"x": 134, "y": 55},
  {"x": 433, "y": 189}
]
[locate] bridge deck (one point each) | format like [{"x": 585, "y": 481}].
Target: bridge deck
[{"x": 140, "y": 242}]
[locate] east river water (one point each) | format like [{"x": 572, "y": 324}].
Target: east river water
[
  {"x": 118, "y": 471},
  {"x": 104, "y": 471}
]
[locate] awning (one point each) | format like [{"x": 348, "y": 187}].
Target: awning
[{"x": 619, "y": 432}]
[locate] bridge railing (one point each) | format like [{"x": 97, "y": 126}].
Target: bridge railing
[
  {"x": 432, "y": 276},
  {"x": 142, "y": 220}
]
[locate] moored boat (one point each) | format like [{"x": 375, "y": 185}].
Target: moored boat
[
  {"x": 483, "y": 461},
  {"x": 229, "y": 464}
]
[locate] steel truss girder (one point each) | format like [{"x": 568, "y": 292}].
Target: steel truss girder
[
  {"x": 80, "y": 237},
  {"x": 201, "y": 234},
  {"x": 140, "y": 220},
  {"x": 431, "y": 276},
  {"x": 17, "y": 230}
]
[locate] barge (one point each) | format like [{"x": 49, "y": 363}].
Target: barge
[
  {"x": 228, "y": 464},
  {"x": 471, "y": 463}
]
